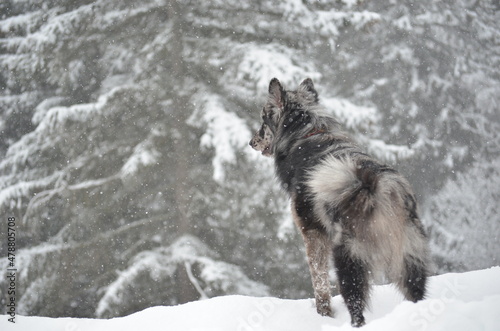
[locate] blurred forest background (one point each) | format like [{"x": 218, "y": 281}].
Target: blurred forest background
[{"x": 124, "y": 129}]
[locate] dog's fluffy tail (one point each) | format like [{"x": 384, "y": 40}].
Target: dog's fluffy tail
[
  {"x": 346, "y": 186},
  {"x": 361, "y": 196}
]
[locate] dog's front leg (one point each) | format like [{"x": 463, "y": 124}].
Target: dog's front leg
[
  {"x": 318, "y": 251},
  {"x": 318, "y": 255}
]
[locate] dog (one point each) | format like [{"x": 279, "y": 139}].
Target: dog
[{"x": 347, "y": 205}]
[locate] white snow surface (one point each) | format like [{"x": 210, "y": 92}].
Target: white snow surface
[{"x": 467, "y": 301}]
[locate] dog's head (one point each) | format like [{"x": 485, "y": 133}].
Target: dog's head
[{"x": 278, "y": 103}]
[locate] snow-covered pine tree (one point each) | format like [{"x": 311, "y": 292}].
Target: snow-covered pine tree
[{"x": 465, "y": 233}]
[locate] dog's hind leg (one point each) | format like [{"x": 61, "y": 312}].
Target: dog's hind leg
[
  {"x": 318, "y": 255},
  {"x": 413, "y": 280},
  {"x": 415, "y": 268},
  {"x": 353, "y": 283}
]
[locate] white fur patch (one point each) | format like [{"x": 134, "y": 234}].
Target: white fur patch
[
  {"x": 330, "y": 182},
  {"x": 333, "y": 179}
]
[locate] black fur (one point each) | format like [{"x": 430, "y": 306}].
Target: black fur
[{"x": 352, "y": 277}]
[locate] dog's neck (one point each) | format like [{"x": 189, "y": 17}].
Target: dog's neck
[{"x": 314, "y": 132}]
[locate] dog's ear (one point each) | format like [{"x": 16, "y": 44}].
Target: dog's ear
[
  {"x": 276, "y": 93},
  {"x": 308, "y": 86}
]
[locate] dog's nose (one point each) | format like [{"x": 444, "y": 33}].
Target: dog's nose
[{"x": 251, "y": 143}]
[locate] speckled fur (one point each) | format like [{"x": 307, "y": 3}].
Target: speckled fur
[{"x": 348, "y": 206}]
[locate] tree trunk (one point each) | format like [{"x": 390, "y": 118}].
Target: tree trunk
[{"x": 187, "y": 292}]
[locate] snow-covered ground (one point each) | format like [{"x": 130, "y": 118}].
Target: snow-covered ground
[{"x": 468, "y": 301}]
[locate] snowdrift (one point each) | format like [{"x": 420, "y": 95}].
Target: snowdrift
[{"x": 467, "y": 301}]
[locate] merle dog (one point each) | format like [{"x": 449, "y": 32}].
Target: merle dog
[{"x": 346, "y": 204}]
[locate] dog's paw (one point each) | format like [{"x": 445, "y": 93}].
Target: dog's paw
[
  {"x": 358, "y": 322},
  {"x": 324, "y": 309}
]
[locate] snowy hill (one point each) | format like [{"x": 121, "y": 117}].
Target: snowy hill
[{"x": 468, "y": 301}]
